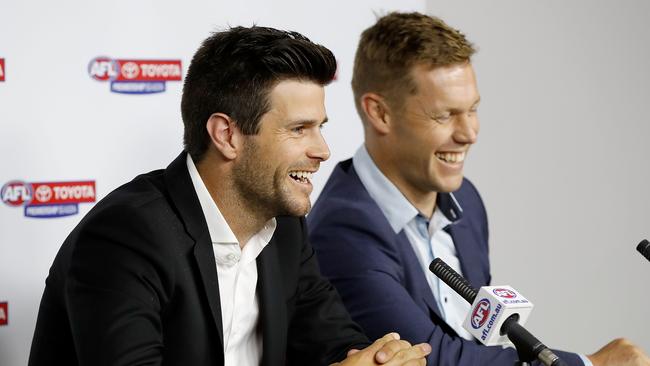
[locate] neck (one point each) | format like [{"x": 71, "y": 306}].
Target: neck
[
  {"x": 243, "y": 220},
  {"x": 423, "y": 201},
  {"x": 426, "y": 206}
]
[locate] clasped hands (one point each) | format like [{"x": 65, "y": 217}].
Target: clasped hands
[{"x": 388, "y": 350}]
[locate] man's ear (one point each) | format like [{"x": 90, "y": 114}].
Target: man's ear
[
  {"x": 224, "y": 134},
  {"x": 377, "y": 112}
]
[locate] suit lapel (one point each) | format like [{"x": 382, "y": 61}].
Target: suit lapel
[
  {"x": 411, "y": 263},
  {"x": 463, "y": 239},
  {"x": 181, "y": 190},
  {"x": 422, "y": 291},
  {"x": 204, "y": 257},
  {"x": 273, "y": 321}
]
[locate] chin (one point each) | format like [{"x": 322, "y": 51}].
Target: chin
[
  {"x": 296, "y": 208},
  {"x": 297, "y": 213},
  {"x": 304, "y": 209},
  {"x": 450, "y": 185}
]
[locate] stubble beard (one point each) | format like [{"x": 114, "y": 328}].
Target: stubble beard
[{"x": 264, "y": 190}]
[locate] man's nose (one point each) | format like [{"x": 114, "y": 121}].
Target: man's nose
[
  {"x": 319, "y": 149},
  {"x": 466, "y": 129}
]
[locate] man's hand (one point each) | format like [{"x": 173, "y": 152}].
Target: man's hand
[
  {"x": 619, "y": 352},
  {"x": 388, "y": 350}
]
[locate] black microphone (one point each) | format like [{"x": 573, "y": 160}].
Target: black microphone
[
  {"x": 528, "y": 347},
  {"x": 644, "y": 248}
]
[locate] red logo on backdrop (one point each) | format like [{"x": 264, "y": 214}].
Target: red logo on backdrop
[
  {"x": 2, "y": 69},
  {"x": 4, "y": 313},
  {"x": 504, "y": 293},
  {"x": 480, "y": 313},
  {"x": 16, "y": 193},
  {"x": 130, "y": 76},
  {"x": 48, "y": 199}
]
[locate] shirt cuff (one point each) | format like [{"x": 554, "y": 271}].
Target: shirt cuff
[{"x": 585, "y": 360}]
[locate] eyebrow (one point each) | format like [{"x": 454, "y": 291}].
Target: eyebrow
[
  {"x": 307, "y": 122},
  {"x": 456, "y": 110}
]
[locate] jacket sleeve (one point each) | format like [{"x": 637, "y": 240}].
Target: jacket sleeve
[
  {"x": 321, "y": 330},
  {"x": 362, "y": 262},
  {"x": 115, "y": 290}
]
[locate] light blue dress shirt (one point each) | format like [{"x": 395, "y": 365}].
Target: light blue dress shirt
[{"x": 427, "y": 237}]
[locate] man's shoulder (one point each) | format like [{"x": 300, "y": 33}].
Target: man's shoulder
[
  {"x": 153, "y": 188},
  {"x": 140, "y": 200},
  {"x": 469, "y": 198},
  {"x": 138, "y": 192},
  {"x": 343, "y": 181},
  {"x": 345, "y": 201},
  {"x": 467, "y": 190},
  {"x": 134, "y": 218},
  {"x": 343, "y": 188}
]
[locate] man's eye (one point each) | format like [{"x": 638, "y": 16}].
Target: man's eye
[
  {"x": 298, "y": 129},
  {"x": 442, "y": 118}
]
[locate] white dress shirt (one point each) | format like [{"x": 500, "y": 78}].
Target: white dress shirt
[{"x": 237, "y": 275}]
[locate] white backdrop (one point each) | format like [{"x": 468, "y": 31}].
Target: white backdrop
[
  {"x": 560, "y": 161},
  {"x": 59, "y": 124}
]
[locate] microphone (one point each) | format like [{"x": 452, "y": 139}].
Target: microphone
[
  {"x": 493, "y": 305},
  {"x": 644, "y": 248},
  {"x": 504, "y": 316}
]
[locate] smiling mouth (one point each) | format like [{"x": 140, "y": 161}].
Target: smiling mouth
[
  {"x": 451, "y": 157},
  {"x": 301, "y": 176}
]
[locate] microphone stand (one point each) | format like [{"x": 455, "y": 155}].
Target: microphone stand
[
  {"x": 525, "y": 356},
  {"x": 528, "y": 347}
]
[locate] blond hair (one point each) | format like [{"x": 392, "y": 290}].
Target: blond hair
[{"x": 389, "y": 49}]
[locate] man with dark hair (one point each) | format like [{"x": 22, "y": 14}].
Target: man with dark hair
[
  {"x": 384, "y": 215},
  {"x": 207, "y": 261}
]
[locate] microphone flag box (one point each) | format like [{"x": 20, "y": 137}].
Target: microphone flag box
[{"x": 492, "y": 306}]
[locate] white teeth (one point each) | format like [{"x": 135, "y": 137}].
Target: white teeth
[
  {"x": 451, "y": 157},
  {"x": 301, "y": 175}
]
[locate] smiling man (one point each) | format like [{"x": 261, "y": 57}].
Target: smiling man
[
  {"x": 207, "y": 261},
  {"x": 402, "y": 200}
]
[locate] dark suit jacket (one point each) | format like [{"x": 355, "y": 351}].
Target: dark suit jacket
[
  {"x": 135, "y": 283},
  {"x": 379, "y": 277}
]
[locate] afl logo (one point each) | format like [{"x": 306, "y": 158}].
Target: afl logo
[
  {"x": 504, "y": 293},
  {"x": 480, "y": 313},
  {"x": 103, "y": 68},
  {"x": 16, "y": 193}
]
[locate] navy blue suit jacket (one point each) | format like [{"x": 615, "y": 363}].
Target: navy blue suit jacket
[{"x": 379, "y": 277}]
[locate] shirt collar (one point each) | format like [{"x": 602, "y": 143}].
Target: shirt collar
[
  {"x": 218, "y": 228},
  {"x": 449, "y": 206},
  {"x": 397, "y": 209}
]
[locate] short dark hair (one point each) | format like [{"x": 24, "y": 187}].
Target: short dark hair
[
  {"x": 390, "y": 48},
  {"x": 234, "y": 71}
]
